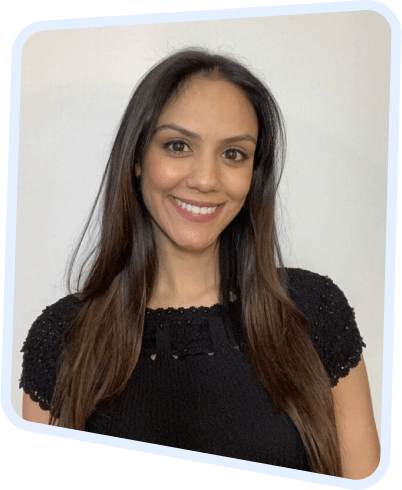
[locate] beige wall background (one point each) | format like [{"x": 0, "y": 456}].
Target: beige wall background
[{"x": 330, "y": 74}]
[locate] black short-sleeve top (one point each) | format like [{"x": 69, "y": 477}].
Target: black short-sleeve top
[{"x": 193, "y": 388}]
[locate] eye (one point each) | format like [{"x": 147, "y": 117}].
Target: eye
[
  {"x": 176, "y": 146},
  {"x": 235, "y": 154}
]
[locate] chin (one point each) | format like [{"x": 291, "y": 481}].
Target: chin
[
  {"x": 193, "y": 247},
  {"x": 193, "y": 244}
]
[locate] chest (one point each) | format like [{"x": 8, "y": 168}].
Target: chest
[{"x": 206, "y": 403}]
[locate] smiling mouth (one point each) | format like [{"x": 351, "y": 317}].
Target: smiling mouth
[
  {"x": 197, "y": 210},
  {"x": 196, "y": 213}
]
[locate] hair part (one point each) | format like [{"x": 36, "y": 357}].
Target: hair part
[{"x": 101, "y": 347}]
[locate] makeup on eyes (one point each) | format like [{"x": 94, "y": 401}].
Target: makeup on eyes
[{"x": 243, "y": 154}]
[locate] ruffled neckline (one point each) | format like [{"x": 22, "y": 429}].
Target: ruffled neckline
[
  {"x": 190, "y": 309},
  {"x": 172, "y": 311}
]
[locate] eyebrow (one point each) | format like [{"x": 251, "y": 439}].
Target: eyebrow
[{"x": 190, "y": 134}]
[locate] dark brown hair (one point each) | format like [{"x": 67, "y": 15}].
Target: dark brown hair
[{"x": 101, "y": 347}]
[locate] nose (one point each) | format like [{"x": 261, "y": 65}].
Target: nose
[{"x": 205, "y": 174}]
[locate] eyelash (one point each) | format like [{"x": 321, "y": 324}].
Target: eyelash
[{"x": 244, "y": 156}]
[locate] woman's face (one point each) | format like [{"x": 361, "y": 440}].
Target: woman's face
[{"x": 197, "y": 169}]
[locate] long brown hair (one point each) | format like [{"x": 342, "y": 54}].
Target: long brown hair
[{"x": 102, "y": 343}]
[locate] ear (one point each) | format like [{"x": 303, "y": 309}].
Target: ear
[{"x": 137, "y": 169}]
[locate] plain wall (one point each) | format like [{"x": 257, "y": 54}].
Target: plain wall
[{"x": 330, "y": 74}]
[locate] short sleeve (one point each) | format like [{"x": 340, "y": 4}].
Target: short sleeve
[
  {"x": 42, "y": 350},
  {"x": 332, "y": 324}
]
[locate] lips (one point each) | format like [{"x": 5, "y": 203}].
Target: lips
[
  {"x": 200, "y": 217},
  {"x": 201, "y": 204}
]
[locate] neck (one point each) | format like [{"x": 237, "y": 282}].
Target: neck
[{"x": 187, "y": 278}]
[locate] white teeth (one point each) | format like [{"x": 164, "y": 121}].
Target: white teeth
[{"x": 195, "y": 209}]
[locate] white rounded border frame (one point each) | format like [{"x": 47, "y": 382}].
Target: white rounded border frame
[{"x": 390, "y": 232}]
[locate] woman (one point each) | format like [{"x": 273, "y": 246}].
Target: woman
[{"x": 188, "y": 331}]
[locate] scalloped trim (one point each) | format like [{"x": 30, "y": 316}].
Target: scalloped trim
[
  {"x": 343, "y": 371},
  {"x": 216, "y": 307},
  {"x": 35, "y": 397},
  {"x": 183, "y": 310}
]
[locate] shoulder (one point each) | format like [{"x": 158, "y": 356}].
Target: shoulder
[
  {"x": 331, "y": 321},
  {"x": 50, "y": 323},
  {"x": 313, "y": 292},
  {"x": 307, "y": 285},
  {"x": 42, "y": 349}
]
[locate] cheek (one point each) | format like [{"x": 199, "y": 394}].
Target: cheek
[
  {"x": 238, "y": 184},
  {"x": 160, "y": 176}
]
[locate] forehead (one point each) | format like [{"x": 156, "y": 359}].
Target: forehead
[{"x": 211, "y": 104}]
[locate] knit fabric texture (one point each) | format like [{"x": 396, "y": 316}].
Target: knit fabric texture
[{"x": 193, "y": 387}]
